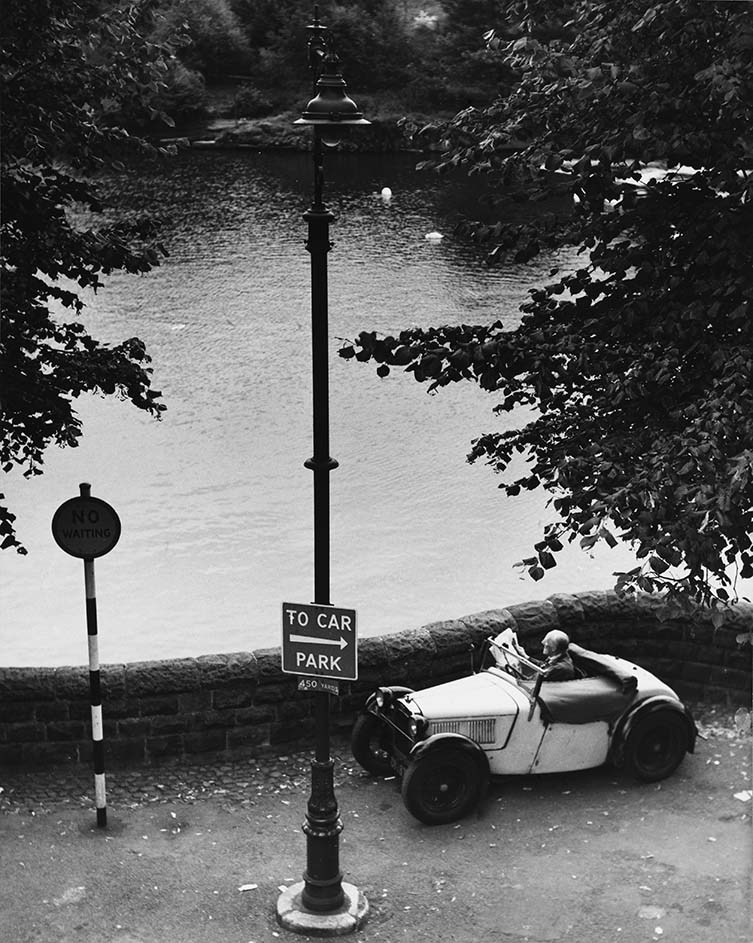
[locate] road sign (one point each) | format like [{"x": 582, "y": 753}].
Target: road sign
[
  {"x": 319, "y": 684},
  {"x": 86, "y": 527},
  {"x": 319, "y": 641}
]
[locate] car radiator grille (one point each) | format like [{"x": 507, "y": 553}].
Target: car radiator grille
[{"x": 482, "y": 731}]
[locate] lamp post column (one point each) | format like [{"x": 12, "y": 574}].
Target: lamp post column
[
  {"x": 322, "y": 891},
  {"x": 322, "y": 904}
]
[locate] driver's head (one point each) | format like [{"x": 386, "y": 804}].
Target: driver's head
[{"x": 555, "y": 642}]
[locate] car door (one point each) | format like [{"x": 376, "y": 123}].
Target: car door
[{"x": 571, "y": 746}]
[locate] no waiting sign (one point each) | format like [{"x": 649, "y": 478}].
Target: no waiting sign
[
  {"x": 86, "y": 527},
  {"x": 319, "y": 641}
]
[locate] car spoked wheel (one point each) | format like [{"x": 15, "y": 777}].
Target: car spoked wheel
[
  {"x": 442, "y": 786},
  {"x": 367, "y": 744},
  {"x": 656, "y": 746}
]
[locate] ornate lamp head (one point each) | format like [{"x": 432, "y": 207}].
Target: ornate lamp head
[{"x": 331, "y": 107}]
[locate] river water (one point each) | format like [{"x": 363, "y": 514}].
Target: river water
[{"x": 215, "y": 504}]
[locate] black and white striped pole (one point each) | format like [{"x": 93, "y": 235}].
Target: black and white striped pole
[
  {"x": 87, "y": 527},
  {"x": 95, "y": 690}
]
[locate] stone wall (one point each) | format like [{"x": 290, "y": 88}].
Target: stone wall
[{"x": 241, "y": 704}]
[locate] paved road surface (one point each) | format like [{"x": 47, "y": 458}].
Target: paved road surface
[{"x": 199, "y": 854}]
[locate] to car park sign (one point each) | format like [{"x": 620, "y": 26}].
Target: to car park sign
[{"x": 319, "y": 641}]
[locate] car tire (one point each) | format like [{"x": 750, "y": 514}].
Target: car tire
[
  {"x": 367, "y": 745},
  {"x": 442, "y": 786},
  {"x": 656, "y": 746}
]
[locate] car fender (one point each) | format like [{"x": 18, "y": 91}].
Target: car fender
[
  {"x": 638, "y": 712},
  {"x": 457, "y": 741},
  {"x": 395, "y": 690}
]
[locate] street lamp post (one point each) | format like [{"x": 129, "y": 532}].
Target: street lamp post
[
  {"x": 322, "y": 890},
  {"x": 322, "y": 896}
]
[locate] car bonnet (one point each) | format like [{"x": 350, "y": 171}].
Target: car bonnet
[{"x": 481, "y": 695}]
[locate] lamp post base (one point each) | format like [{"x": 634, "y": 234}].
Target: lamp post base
[{"x": 294, "y": 916}]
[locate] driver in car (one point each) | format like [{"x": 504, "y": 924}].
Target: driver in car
[{"x": 558, "y": 665}]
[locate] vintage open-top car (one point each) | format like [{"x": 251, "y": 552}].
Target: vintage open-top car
[{"x": 447, "y": 741}]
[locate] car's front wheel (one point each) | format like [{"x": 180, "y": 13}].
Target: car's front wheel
[
  {"x": 656, "y": 746},
  {"x": 442, "y": 786},
  {"x": 367, "y": 744}
]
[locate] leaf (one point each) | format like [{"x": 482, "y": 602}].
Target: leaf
[
  {"x": 402, "y": 355},
  {"x": 430, "y": 366},
  {"x": 658, "y": 565},
  {"x": 648, "y": 17},
  {"x": 547, "y": 560}
]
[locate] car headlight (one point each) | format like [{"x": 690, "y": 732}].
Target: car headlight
[
  {"x": 382, "y": 698},
  {"x": 417, "y": 727}
]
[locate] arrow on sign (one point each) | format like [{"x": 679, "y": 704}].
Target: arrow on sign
[{"x": 315, "y": 640}]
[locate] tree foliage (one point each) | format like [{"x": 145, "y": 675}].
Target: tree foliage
[
  {"x": 371, "y": 39},
  {"x": 213, "y": 39},
  {"x": 384, "y": 46},
  {"x": 631, "y": 378},
  {"x": 71, "y": 69}
]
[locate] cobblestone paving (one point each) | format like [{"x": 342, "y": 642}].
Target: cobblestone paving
[{"x": 237, "y": 782}]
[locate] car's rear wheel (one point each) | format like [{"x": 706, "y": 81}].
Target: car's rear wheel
[
  {"x": 656, "y": 746},
  {"x": 442, "y": 786},
  {"x": 368, "y": 745}
]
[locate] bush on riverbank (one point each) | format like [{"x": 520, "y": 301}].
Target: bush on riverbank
[{"x": 185, "y": 94}]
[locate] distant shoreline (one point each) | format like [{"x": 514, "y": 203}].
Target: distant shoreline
[{"x": 278, "y": 132}]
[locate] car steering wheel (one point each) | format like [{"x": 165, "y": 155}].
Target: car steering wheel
[{"x": 510, "y": 666}]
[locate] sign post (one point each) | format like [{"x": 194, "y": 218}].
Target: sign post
[
  {"x": 88, "y": 527},
  {"x": 319, "y": 642}
]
